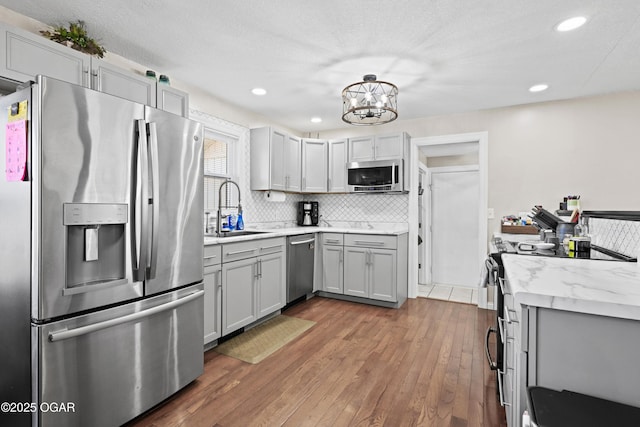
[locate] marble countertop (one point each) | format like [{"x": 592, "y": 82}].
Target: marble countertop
[
  {"x": 607, "y": 288},
  {"x": 291, "y": 231}
]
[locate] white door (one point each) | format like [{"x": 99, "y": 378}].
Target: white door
[{"x": 455, "y": 227}]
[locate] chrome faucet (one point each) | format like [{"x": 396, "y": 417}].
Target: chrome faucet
[
  {"x": 220, "y": 216},
  {"x": 321, "y": 219}
]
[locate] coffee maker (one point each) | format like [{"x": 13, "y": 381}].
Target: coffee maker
[{"x": 307, "y": 213}]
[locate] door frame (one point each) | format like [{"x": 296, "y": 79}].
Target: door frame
[
  {"x": 430, "y": 171},
  {"x": 424, "y": 275},
  {"x": 482, "y": 138}
]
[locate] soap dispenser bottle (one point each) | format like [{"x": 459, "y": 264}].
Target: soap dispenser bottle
[{"x": 240, "y": 222}]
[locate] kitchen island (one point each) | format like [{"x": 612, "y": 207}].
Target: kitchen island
[{"x": 572, "y": 324}]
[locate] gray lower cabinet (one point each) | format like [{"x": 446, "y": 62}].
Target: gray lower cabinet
[
  {"x": 253, "y": 281},
  {"x": 271, "y": 284},
  {"x": 238, "y": 294},
  {"x": 212, "y": 293},
  {"x": 366, "y": 266},
  {"x": 212, "y": 303},
  {"x": 332, "y": 262},
  {"x": 370, "y": 273}
]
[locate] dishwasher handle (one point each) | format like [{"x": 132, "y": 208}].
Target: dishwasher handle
[{"x": 302, "y": 242}]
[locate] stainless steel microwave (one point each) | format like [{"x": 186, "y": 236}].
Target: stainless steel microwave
[{"x": 380, "y": 176}]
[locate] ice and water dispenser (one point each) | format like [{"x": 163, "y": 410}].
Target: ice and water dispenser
[{"x": 95, "y": 246}]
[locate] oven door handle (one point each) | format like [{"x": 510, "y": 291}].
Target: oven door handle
[{"x": 490, "y": 330}]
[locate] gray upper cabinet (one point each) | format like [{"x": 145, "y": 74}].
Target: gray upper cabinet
[
  {"x": 379, "y": 147},
  {"x": 361, "y": 149},
  {"x": 314, "y": 166},
  {"x": 275, "y": 158},
  {"x": 337, "y": 167},
  {"x": 114, "y": 80},
  {"x": 28, "y": 55},
  {"x": 292, "y": 160},
  {"x": 172, "y": 100}
]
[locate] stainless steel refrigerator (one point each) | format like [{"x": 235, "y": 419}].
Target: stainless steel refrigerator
[{"x": 101, "y": 300}]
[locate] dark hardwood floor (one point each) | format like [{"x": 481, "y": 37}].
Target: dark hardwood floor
[{"x": 360, "y": 365}]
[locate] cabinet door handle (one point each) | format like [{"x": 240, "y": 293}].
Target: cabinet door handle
[
  {"x": 500, "y": 391},
  {"x": 219, "y": 273},
  {"x": 341, "y": 259}
]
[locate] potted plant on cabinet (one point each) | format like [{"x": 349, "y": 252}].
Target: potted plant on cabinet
[{"x": 75, "y": 37}]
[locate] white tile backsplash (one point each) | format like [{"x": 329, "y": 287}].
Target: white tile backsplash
[{"x": 618, "y": 235}]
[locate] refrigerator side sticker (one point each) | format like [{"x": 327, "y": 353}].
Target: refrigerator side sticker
[{"x": 16, "y": 151}]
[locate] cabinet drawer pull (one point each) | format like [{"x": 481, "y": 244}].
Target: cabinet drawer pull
[
  {"x": 366, "y": 242},
  {"x": 240, "y": 252},
  {"x": 270, "y": 247},
  {"x": 211, "y": 257},
  {"x": 332, "y": 241}
]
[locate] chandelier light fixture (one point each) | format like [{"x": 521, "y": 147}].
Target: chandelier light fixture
[{"x": 370, "y": 102}]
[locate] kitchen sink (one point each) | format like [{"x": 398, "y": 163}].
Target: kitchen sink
[{"x": 236, "y": 233}]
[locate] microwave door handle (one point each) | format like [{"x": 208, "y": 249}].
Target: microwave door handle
[{"x": 155, "y": 195}]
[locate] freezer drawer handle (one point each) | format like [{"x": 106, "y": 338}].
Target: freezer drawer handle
[
  {"x": 302, "y": 242},
  {"x": 83, "y": 330}
]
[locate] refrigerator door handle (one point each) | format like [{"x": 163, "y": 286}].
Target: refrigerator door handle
[
  {"x": 84, "y": 330},
  {"x": 143, "y": 169},
  {"x": 155, "y": 195}
]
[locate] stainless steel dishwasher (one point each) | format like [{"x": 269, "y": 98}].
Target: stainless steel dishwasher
[{"x": 300, "y": 254}]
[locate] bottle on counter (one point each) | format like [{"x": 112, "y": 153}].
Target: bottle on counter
[{"x": 240, "y": 222}]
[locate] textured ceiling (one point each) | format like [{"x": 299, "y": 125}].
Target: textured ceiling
[{"x": 445, "y": 56}]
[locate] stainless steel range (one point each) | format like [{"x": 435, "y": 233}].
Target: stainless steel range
[{"x": 101, "y": 284}]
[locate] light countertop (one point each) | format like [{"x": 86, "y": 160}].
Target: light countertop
[
  {"x": 291, "y": 231},
  {"x": 607, "y": 288}
]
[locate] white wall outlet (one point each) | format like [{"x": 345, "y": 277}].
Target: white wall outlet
[{"x": 490, "y": 213}]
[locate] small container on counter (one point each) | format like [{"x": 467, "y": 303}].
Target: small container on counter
[{"x": 579, "y": 244}]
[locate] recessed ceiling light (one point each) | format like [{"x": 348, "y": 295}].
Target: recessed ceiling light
[
  {"x": 571, "y": 23},
  {"x": 539, "y": 87},
  {"x": 316, "y": 119},
  {"x": 258, "y": 91}
]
